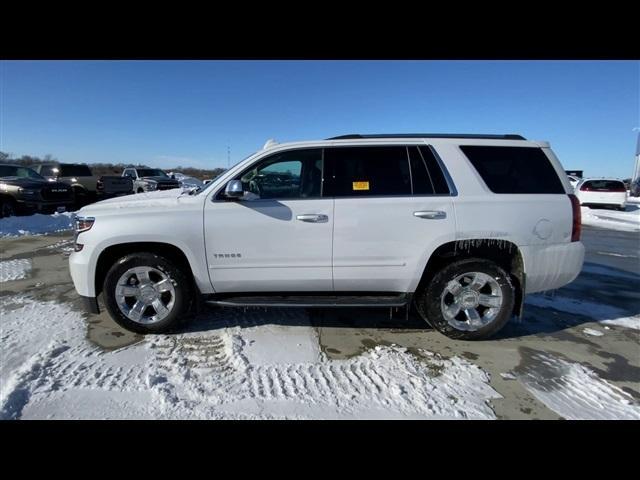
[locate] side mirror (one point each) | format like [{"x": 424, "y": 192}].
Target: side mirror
[{"x": 234, "y": 189}]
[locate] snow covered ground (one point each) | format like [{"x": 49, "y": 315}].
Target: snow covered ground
[
  {"x": 50, "y": 370},
  {"x": 574, "y": 391},
  {"x": 36, "y": 224},
  {"x": 243, "y": 365},
  {"x": 14, "y": 269},
  {"x": 628, "y": 220}
]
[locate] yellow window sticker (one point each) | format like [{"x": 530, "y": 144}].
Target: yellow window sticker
[{"x": 361, "y": 185}]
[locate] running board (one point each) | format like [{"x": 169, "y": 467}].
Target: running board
[{"x": 401, "y": 300}]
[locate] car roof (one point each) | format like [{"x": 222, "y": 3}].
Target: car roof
[
  {"x": 478, "y": 136},
  {"x": 15, "y": 165},
  {"x": 608, "y": 179}
]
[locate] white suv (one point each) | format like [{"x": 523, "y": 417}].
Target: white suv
[{"x": 463, "y": 226}]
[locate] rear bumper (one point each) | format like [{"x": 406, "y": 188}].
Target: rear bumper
[{"x": 551, "y": 266}]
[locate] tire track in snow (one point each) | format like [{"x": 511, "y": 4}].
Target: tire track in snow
[{"x": 572, "y": 390}]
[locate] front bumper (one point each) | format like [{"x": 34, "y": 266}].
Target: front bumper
[{"x": 82, "y": 273}]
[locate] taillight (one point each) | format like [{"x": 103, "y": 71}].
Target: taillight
[{"x": 577, "y": 218}]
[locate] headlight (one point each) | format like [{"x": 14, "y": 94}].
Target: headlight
[
  {"x": 26, "y": 191},
  {"x": 81, "y": 224},
  {"x": 151, "y": 185}
]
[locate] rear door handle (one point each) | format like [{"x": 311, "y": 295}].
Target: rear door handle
[
  {"x": 430, "y": 214},
  {"x": 312, "y": 217}
]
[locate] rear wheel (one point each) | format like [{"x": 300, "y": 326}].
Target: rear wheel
[
  {"x": 469, "y": 299},
  {"x": 146, "y": 293}
]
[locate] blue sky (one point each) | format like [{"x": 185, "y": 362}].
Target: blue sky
[{"x": 169, "y": 113}]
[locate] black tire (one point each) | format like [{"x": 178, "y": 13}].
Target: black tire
[
  {"x": 428, "y": 299},
  {"x": 7, "y": 208},
  {"x": 180, "y": 280},
  {"x": 140, "y": 190}
]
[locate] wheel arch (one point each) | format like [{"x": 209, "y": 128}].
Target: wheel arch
[
  {"x": 112, "y": 253},
  {"x": 504, "y": 253}
]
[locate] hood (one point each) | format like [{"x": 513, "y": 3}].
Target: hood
[
  {"x": 31, "y": 182},
  {"x": 157, "y": 199},
  {"x": 160, "y": 179}
]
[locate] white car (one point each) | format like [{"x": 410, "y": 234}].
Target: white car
[
  {"x": 602, "y": 192},
  {"x": 462, "y": 226}
]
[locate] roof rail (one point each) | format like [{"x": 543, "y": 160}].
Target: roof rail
[{"x": 354, "y": 136}]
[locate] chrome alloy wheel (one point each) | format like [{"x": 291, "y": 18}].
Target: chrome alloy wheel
[
  {"x": 145, "y": 295},
  {"x": 471, "y": 301}
]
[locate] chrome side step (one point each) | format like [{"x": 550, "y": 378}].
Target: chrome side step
[{"x": 327, "y": 301}]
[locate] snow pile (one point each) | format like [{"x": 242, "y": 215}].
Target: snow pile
[
  {"x": 50, "y": 370},
  {"x": 37, "y": 224},
  {"x": 627, "y": 221},
  {"x": 601, "y": 313},
  {"x": 14, "y": 269},
  {"x": 592, "y": 332},
  {"x": 574, "y": 391}
]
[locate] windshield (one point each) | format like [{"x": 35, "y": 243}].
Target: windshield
[
  {"x": 17, "y": 171},
  {"x": 151, "y": 172},
  {"x": 206, "y": 187}
]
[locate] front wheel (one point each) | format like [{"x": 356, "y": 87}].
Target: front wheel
[
  {"x": 469, "y": 299},
  {"x": 146, "y": 293},
  {"x": 7, "y": 208}
]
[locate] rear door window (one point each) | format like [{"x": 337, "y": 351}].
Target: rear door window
[
  {"x": 514, "y": 169},
  {"x": 424, "y": 165},
  {"x": 367, "y": 171}
]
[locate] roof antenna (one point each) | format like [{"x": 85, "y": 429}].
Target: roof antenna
[{"x": 270, "y": 143}]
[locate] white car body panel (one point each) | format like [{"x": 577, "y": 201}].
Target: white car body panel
[
  {"x": 366, "y": 244},
  {"x": 277, "y": 251},
  {"x": 368, "y": 253}
]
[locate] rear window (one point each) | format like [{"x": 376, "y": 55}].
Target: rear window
[
  {"x": 74, "y": 171},
  {"x": 514, "y": 169},
  {"x": 603, "y": 186}
]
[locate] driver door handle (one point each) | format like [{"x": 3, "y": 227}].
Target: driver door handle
[
  {"x": 312, "y": 217},
  {"x": 431, "y": 214}
]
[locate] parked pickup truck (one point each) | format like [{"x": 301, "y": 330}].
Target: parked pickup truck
[
  {"x": 149, "y": 179},
  {"x": 22, "y": 190},
  {"x": 461, "y": 226},
  {"x": 86, "y": 186},
  {"x": 109, "y": 186}
]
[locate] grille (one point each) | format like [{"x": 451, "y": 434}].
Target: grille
[
  {"x": 56, "y": 193},
  {"x": 167, "y": 186}
]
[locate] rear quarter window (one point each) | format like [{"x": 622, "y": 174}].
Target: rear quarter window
[{"x": 514, "y": 169}]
